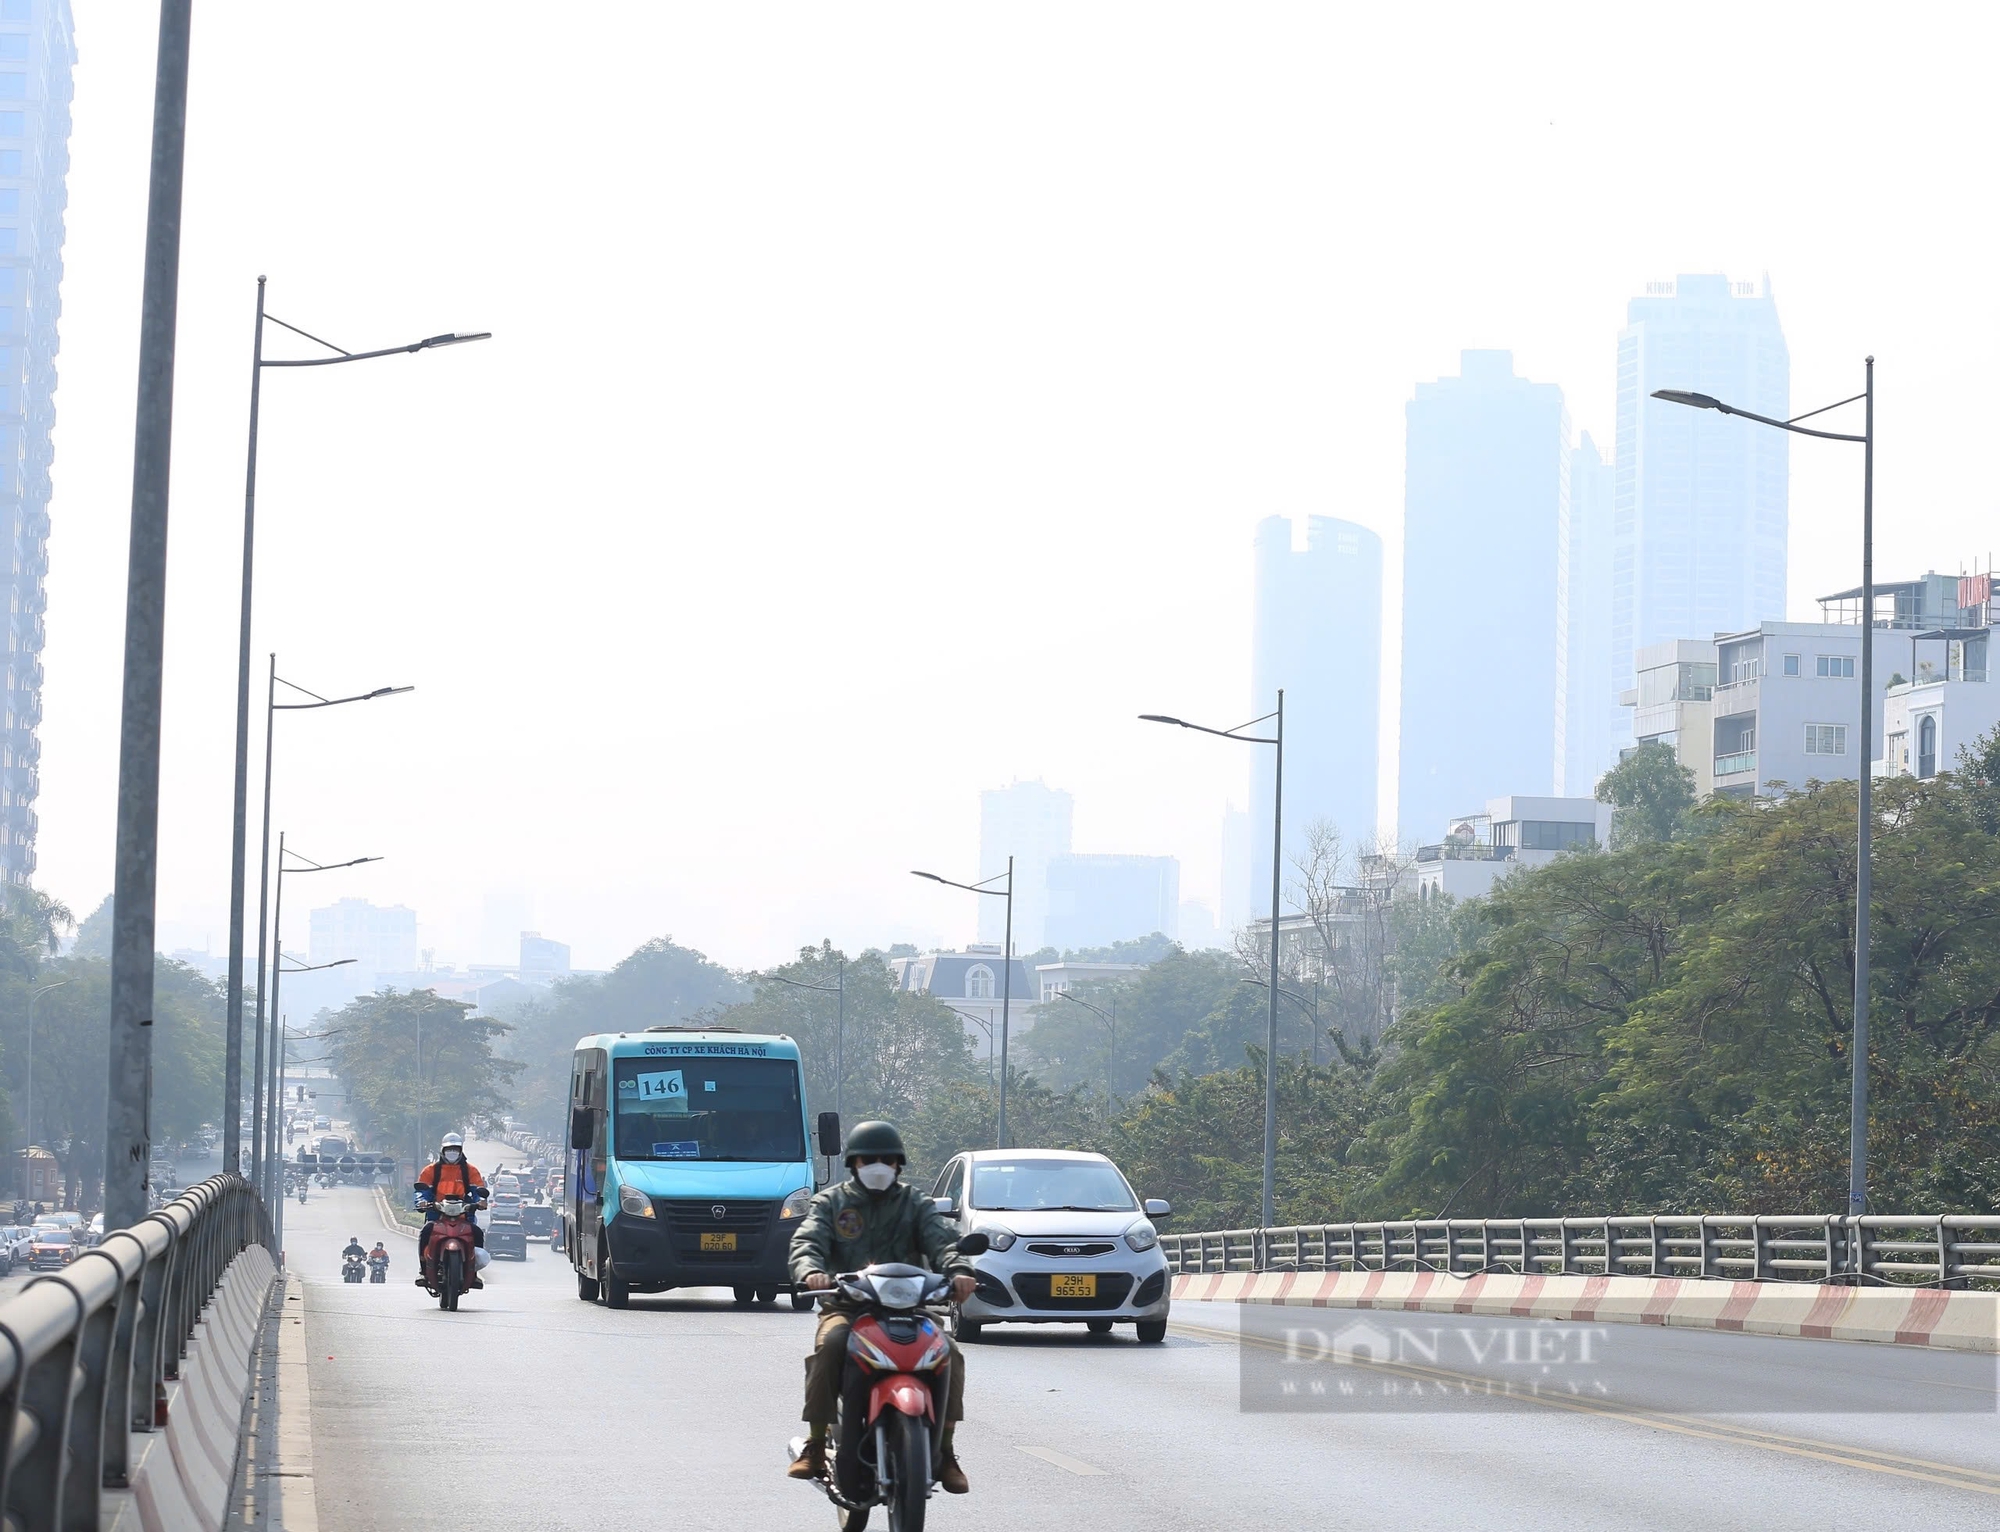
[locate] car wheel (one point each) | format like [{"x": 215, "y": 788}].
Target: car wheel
[
  {"x": 968, "y": 1329},
  {"x": 801, "y": 1301},
  {"x": 767, "y": 1295},
  {"x": 1152, "y": 1331},
  {"x": 1098, "y": 1326}
]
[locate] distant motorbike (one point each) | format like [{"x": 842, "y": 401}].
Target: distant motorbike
[
  {"x": 885, "y": 1444},
  {"x": 353, "y": 1269},
  {"x": 378, "y": 1268},
  {"x": 452, "y": 1256},
  {"x": 302, "y": 1193}
]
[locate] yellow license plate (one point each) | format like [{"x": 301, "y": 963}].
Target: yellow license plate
[
  {"x": 718, "y": 1242},
  {"x": 1073, "y": 1285}
]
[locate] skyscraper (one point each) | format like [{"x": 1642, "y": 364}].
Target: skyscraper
[
  {"x": 1030, "y": 822},
  {"x": 1589, "y": 718},
  {"x": 1318, "y": 634},
  {"x": 1485, "y": 491},
  {"x": 1700, "y": 499},
  {"x": 37, "y": 52}
]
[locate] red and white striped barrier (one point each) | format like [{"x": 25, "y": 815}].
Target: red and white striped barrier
[{"x": 1900, "y": 1316}]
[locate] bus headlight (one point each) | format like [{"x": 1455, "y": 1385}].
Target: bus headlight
[
  {"x": 634, "y": 1202},
  {"x": 796, "y": 1204}
]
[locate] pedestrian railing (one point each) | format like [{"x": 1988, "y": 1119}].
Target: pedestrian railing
[
  {"x": 1930, "y": 1251},
  {"x": 86, "y": 1353}
]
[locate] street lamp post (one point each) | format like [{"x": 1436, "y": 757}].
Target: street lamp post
[
  {"x": 1857, "y": 1128},
  {"x": 1276, "y": 738},
  {"x": 274, "y": 1185},
  {"x": 1006, "y": 972},
  {"x": 273, "y": 707},
  {"x": 232, "y": 1070},
  {"x": 1110, "y": 1053},
  {"x": 838, "y": 989}
]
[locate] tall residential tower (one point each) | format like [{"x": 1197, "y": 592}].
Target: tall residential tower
[
  {"x": 1485, "y": 494},
  {"x": 37, "y": 51},
  {"x": 1589, "y": 720},
  {"x": 1319, "y": 636},
  {"x": 1029, "y": 821},
  {"x": 1700, "y": 499}
]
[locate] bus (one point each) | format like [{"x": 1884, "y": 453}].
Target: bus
[{"x": 690, "y": 1163}]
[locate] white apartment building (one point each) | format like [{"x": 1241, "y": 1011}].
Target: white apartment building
[
  {"x": 1481, "y": 849},
  {"x": 1947, "y": 704},
  {"x": 1674, "y": 700}
]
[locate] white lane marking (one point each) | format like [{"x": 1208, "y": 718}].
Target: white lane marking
[{"x": 1061, "y": 1460}]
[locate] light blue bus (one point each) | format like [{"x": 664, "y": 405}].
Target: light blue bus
[{"x": 690, "y": 1162}]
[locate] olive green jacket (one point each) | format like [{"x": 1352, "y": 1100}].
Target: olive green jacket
[{"x": 848, "y": 1227}]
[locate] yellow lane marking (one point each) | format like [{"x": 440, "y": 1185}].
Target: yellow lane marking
[{"x": 1950, "y": 1475}]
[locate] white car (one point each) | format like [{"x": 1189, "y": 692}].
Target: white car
[
  {"x": 1067, "y": 1241},
  {"x": 17, "y": 1243}
]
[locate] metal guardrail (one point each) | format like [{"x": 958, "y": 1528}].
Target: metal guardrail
[
  {"x": 88, "y": 1351},
  {"x": 1932, "y": 1251}
]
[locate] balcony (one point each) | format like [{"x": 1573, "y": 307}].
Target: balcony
[{"x": 1732, "y": 765}]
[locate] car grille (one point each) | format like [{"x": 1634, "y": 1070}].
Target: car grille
[
  {"x": 1074, "y": 1251},
  {"x": 1112, "y": 1286},
  {"x": 687, "y": 1219}
]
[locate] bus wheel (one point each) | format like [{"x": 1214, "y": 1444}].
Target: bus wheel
[
  {"x": 767, "y": 1295},
  {"x": 616, "y": 1294},
  {"x": 586, "y": 1288},
  {"x": 801, "y": 1301}
]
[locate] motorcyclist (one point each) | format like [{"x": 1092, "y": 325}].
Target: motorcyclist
[
  {"x": 379, "y": 1256},
  {"x": 354, "y": 1251},
  {"x": 451, "y": 1174},
  {"x": 871, "y": 1218}
]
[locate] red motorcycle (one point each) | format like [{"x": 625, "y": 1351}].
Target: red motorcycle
[
  {"x": 452, "y": 1256},
  {"x": 885, "y": 1444}
]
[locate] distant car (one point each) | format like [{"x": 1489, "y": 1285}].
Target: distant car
[
  {"x": 507, "y": 1237},
  {"x": 322, "y": 1122},
  {"x": 537, "y": 1221},
  {"x": 17, "y": 1245},
  {"x": 53, "y": 1248}
]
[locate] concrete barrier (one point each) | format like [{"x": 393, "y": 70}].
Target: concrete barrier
[
  {"x": 1899, "y": 1316},
  {"x": 183, "y": 1475}
]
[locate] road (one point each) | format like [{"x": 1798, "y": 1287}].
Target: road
[{"x": 550, "y": 1413}]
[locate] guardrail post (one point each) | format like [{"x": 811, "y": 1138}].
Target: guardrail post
[{"x": 35, "y": 1484}]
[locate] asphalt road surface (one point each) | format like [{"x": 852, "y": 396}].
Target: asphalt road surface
[{"x": 531, "y": 1409}]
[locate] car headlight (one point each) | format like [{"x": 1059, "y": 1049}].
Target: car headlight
[
  {"x": 1142, "y": 1236},
  {"x": 998, "y": 1238},
  {"x": 635, "y": 1202},
  {"x": 796, "y": 1204}
]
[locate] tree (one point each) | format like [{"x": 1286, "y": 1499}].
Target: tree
[
  {"x": 410, "y": 1058},
  {"x": 1651, "y": 794}
]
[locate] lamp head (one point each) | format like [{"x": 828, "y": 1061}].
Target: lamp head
[{"x": 1692, "y": 401}]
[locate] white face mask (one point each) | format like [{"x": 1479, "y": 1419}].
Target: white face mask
[
  {"x": 451, "y": 1156},
  {"x": 877, "y": 1178}
]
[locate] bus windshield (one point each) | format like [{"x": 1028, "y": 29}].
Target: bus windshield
[{"x": 698, "y": 1108}]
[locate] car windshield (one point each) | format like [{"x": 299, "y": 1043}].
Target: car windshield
[
  {"x": 1025, "y": 1185},
  {"x": 695, "y": 1107}
]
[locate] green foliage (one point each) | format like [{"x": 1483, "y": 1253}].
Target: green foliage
[
  {"x": 408, "y": 1057},
  {"x": 1181, "y": 994},
  {"x": 1651, "y": 794},
  {"x": 660, "y": 984}
]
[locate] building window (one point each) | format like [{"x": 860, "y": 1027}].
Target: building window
[
  {"x": 1791, "y": 664},
  {"x": 13, "y": 45},
  {"x": 13, "y": 125},
  {"x": 1548, "y": 834},
  {"x": 1826, "y": 739},
  {"x": 1839, "y": 667},
  {"x": 979, "y": 982},
  {"x": 1927, "y": 746},
  {"x": 13, "y": 87}
]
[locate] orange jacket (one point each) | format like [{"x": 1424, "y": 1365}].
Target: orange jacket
[{"x": 439, "y": 1179}]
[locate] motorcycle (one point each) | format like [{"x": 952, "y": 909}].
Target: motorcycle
[
  {"x": 378, "y": 1268},
  {"x": 352, "y": 1269},
  {"x": 885, "y": 1444},
  {"x": 302, "y": 1194},
  {"x": 452, "y": 1256}
]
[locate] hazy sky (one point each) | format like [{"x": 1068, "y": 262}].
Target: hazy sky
[{"x": 883, "y": 398}]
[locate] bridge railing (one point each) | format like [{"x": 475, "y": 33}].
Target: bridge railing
[
  {"x": 88, "y": 1351},
  {"x": 1928, "y": 1251}
]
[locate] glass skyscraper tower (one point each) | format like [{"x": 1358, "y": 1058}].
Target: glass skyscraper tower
[
  {"x": 37, "y": 53},
  {"x": 1700, "y": 501}
]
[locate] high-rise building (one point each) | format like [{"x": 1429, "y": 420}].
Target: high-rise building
[
  {"x": 378, "y": 940},
  {"x": 1029, "y": 821},
  {"x": 1700, "y": 499},
  {"x": 1095, "y": 901},
  {"x": 1318, "y": 634},
  {"x": 1589, "y": 719},
  {"x": 1485, "y": 490},
  {"x": 37, "y": 52}
]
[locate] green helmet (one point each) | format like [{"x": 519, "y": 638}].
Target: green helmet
[{"x": 877, "y": 1138}]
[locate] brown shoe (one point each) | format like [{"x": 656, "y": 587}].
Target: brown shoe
[
  {"x": 951, "y": 1478},
  {"x": 809, "y": 1464}
]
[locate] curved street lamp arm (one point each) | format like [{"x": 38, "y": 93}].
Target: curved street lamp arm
[
  {"x": 1202, "y": 728},
  {"x": 1710, "y": 402},
  {"x": 429, "y": 343},
  {"x": 293, "y": 707},
  {"x": 970, "y": 888}
]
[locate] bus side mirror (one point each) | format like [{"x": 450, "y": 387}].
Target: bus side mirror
[
  {"x": 829, "y": 1134},
  {"x": 580, "y": 1127}
]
